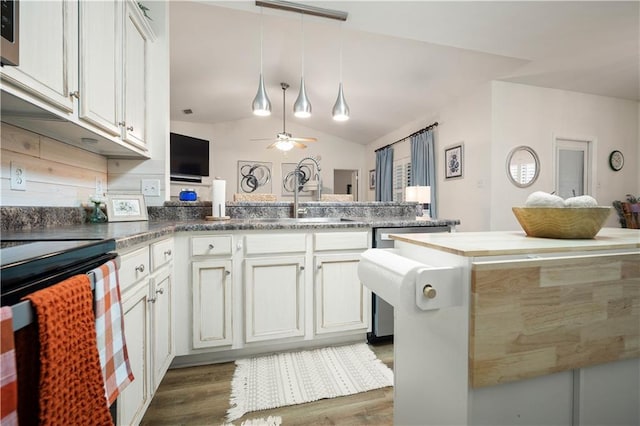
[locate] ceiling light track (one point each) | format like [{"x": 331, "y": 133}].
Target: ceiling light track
[{"x": 304, "y": 9}]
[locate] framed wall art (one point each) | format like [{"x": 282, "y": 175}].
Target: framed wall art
[
  {"x": 453, "y": 161},
  {"x": 126, "y": 207},
  {"x": 307, "y": 173},
  {"x": 372, "y": 179},
  {"x": 254, "y": 177}
]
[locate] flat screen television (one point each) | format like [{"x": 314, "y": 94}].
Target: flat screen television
[{"x": 189, "y": 158}]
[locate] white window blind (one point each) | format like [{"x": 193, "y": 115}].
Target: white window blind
[{"x": 401, "y": 177}]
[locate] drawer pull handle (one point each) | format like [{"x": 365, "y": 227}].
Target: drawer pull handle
[
  {"x": 140, "y": 268},
  {"x": 130, "y": 128},
  {"x": 168, "y": 252},
  {"x": 211, "y": 247},
  {"x": 429, "y": 292},
  {"x": 160, "y": 291}
]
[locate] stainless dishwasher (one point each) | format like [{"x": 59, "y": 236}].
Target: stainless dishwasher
[{"x": 381, "y": 311}]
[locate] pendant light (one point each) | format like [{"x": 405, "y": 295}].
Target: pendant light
[
  {"x": 302, "y": 106},
  {"x": 340, "y": 108},
  {"x": 261, "y": 104}
]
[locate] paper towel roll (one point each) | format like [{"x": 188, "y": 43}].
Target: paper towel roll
[{"x": 218, "y": 198}]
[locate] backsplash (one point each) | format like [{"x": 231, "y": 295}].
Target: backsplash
[{"x": 21, "y": 217}]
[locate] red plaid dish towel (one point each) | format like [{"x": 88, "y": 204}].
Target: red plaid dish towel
[
  {"x": 112, "y": 346},
  {"x": 8, "y": 378}
]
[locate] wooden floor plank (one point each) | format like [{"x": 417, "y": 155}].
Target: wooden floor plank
[{"x": 200, "y": 396}]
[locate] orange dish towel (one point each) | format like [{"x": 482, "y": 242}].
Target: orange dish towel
[
  {"x": 8, "y": 378},
  {"x": 112, "y": 345},
  {"x": 71, "y": 384}
]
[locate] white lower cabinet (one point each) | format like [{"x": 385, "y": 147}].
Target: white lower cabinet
[
  {"x": 274, "y": 297},
  {"x": 212, "y": 283},
  {"x": 341, "y": 301},
  {"x": 135, "y": 398},
  {"x": 146, "y": 275}
]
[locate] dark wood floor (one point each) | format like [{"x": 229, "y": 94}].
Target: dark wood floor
[{"x": 200, "y": 396}]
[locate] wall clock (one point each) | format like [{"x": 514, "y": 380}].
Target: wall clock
[{"x": 616, "y": 160}]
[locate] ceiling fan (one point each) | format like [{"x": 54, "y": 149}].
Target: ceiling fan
[{"x": 284, "y": 141}]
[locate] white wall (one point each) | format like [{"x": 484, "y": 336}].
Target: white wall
[
  {"x": 468, "y": 120},
  {"x": 57, "y": 174},
  {"x": 230, "y": 142},
  {"x": 534, "y": 116}
]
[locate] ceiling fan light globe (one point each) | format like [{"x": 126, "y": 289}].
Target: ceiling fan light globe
[
  {"x": 261, "y": 105},
  {"x": 284, "y": 145},
  {"x": 302, "y": 106},
  {"x": 340, "y": 108}
]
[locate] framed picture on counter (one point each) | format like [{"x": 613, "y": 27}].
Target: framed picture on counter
[{"x": 126, "y": 207}]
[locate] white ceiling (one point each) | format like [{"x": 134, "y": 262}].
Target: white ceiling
[{"x": 402, "y": 61}]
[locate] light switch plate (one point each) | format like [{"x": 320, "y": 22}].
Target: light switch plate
[
  {"x": 18, "y": 177},
  {"x": 150, "y": 187}
]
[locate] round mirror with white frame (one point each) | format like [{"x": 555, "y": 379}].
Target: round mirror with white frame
[{"x": 523, "y": 166}]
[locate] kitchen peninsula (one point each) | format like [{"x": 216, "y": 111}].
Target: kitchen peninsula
[{"x": 503, "y": 329}]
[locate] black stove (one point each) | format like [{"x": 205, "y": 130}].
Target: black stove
[{"x": 32, "y": 266}]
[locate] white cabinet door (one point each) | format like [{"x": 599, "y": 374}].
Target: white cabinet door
[
  {"x": 101, "y": 64},
  {"x": 341, "y": 301},
  {"x": 48, "y": 52},
  {"x": 135, "y": 78},
  {"x": 133, "y": 401},
  {"x": 274, "y": 297},
  {"x": 211, "y": 303},
  {"x": 163, "y": 347}
]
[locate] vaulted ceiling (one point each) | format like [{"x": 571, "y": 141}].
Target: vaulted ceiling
[{"x": 401, "y": 60}]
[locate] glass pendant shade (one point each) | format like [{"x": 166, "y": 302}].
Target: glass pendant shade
[
  {"x": 302, "y": 107},
  {"x": 261, "y": 104},
  {"x": 340, "y": 108}
]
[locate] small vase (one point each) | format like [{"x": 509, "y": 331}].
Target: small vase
[{"x": 97, "y": 216}]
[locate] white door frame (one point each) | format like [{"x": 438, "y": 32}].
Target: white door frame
[{"x": 590, "y": 165}]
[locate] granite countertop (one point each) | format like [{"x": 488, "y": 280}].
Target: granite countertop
[
  {"x": 517, "y": 242},
  {"x": 128, "y": 234}
]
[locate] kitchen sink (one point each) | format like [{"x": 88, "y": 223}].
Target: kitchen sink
[{"x": 301, "y": 220}]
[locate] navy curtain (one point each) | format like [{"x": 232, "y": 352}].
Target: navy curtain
[
  {"x": 384, "y": 174},
  {"x": 423, "y": 166}
]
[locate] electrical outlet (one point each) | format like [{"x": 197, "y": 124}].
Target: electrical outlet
[
  {"x": 18, "y": 177},
  {"x": 99, "y": 187},
  {"x": 150, "y": 187}
]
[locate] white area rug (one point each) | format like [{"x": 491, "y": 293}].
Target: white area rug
[{"x": 292, "y": 378}]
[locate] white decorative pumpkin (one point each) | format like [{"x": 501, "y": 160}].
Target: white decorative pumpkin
[
  {"x": 543, "y": 199},
  {"x": 581, "y": 201}
]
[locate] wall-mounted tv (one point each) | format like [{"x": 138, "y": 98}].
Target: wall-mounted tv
[{"x": 189, "y": 158}]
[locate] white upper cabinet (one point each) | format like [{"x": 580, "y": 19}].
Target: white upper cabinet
[
  {"x": 100, "y": 64},
  {"x": 83, "y": 73},
  {"x": 48, "y": 52},
  {"x": 113, "y": 68}
]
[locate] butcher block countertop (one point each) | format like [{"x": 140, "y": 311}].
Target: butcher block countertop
[
  {"x": 537, "y": 315},
  {"x": 498, "y": 243}
]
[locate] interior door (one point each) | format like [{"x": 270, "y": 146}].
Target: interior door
[{"x": 573, "y": 168}]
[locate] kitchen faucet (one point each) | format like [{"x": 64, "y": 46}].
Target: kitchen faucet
[{"x": 297, "y": 172}]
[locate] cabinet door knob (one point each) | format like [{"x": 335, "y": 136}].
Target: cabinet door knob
[
  {"x": 428, "y": 291},
  {"x": 211, "y": 247},
  {"x": 319, "y": 266},
  {"x": 227, "y": 272},
  {"x": 140, "y": 268},
  {"x": 75, "y": 94},
  {"x": 152, "y": 300},
  {"x": 130, "y": 128},
  {"x": 121, "y": 123},
  {"x": 302, "y": 268},
  {"x": 160, "y": 291},
  {"x": 167, "y": 253}
]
